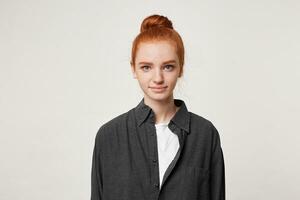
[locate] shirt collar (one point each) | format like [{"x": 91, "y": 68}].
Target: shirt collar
[{"x": 181, "y": 117}]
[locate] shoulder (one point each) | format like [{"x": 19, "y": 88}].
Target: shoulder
[
  {"x": 199, "y": 120},
  {"x": 202, "y": 125},
  {"x": 111, "y": 125}
]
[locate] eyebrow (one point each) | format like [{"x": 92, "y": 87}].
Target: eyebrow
[{"x": 149, "y": 63}]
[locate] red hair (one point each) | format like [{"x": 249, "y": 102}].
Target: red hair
[{"x": 158, "y": 28}]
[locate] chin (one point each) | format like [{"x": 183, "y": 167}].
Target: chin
[{"x": 159, "y": 96}]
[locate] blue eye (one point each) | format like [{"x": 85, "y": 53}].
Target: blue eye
[
  {"x": 145, "y": 67},
  {"x": 169, "y": 67}
]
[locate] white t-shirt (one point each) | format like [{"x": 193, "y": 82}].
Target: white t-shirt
[{"x": 168, "y": 145}]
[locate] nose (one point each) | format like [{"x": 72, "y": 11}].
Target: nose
[{"x": 158, "y": 76}]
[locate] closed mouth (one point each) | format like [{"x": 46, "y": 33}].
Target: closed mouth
[{"x": 158, "y": 87}]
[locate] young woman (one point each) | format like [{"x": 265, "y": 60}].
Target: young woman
[{"x": 158, "y": 149}]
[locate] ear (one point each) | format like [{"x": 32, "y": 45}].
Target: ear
[{"x": 133, "y": 70}]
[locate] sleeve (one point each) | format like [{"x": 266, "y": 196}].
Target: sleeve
[
  {"x": 96, "y": 171},
  {"x": 217, "y": 171}
]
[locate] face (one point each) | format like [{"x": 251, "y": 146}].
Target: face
[{"x": 156, "y": 69}]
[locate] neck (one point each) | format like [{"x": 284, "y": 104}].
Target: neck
[{"x": 164, "y": 110}]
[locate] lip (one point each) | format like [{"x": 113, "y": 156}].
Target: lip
[{"x": 158, "y": 89}]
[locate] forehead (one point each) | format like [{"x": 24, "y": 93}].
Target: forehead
[{"x": 154, "y": 50}]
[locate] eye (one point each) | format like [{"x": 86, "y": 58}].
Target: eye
[
  {"x": 145, "y": 68},
  {"x": 169, "y": 67}
]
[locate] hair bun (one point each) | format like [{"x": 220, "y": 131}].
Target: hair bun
[{"x": 156, "y": 21}]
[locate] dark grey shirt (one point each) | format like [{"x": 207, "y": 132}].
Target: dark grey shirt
[{"x": 125, "y": 158}]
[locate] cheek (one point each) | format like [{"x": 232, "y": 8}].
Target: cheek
[
  {"x": 143, "y": 82},
  {"x": 144, "y": 77},
  {"x": 171, "y": 79}
]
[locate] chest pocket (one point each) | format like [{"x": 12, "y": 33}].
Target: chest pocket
[{"x": 195, "y": 183}]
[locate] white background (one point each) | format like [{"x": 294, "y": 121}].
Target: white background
[{"x": 64, "y": 71}]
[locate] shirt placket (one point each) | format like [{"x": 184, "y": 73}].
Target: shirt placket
[
  {"x": 181, "y": 136},
  {"x": 155, "y": 181},
  {"x": 153, "y": 157}
]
